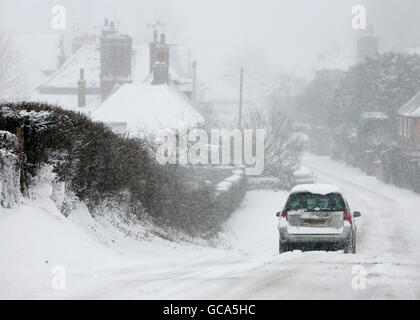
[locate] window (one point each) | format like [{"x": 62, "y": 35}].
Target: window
[
  {"x": 405, "y": 127},
  {"x": 408, "y": 128},
  {"x": 309, "y": 202},
  {"x": 400, "y": 126}
]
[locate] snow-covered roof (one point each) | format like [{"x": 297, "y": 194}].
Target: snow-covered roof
[
  {"x": 69, "y": 101},
  {"x": 411, "y": 108},
  {"x": 88, "y": 58},
  {"x": 302, "y": 172},
  {"x": 66, "y": 76},
  {"x": 316, "y": 188},
  {"x": 147, "y": 107},
  {"x": 413, "y": 50},
  {"x": 374, "y": 115}
]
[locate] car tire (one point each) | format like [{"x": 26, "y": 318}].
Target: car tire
[
  {"x": 351, "y": 245},
  {"x": 283, "y": 247}
]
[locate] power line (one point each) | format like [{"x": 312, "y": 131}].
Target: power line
[{"x": 220, "y": 78}]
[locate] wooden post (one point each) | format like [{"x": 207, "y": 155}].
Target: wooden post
[{"x": 20, "y": 157}]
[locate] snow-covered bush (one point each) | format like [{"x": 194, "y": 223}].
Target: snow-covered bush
[
  {"x": 94, "y": 165},
  {"x": 9, "y": 170}
]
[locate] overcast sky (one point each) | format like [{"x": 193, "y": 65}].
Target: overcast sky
[
  {"x": 222, "y": 34},
  {"x": 280, "y": 32}
]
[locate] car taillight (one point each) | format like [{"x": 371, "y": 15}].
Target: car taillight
[
  {"x": 284, "y": 214},
  {"x": 346, "y": 216}
]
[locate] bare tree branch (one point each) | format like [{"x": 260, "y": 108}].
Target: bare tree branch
[{"x": 12, "y": 84}]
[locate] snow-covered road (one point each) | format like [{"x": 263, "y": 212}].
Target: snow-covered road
[{"x": 247, "y": 265}]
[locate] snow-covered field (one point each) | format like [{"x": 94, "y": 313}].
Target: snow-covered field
[{"x": 100, "y": 262}]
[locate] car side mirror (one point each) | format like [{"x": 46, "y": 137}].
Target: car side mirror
[
  {"x": 356, "y": 214},
  {"x": 278, "y": 214}
]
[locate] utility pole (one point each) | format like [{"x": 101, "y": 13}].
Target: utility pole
[
  {"x": 194, "y": 83},
  {"x": 240, "y": 98},
  {"x": 189, "y": 64}
]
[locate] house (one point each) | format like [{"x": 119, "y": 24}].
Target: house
[
  {"x": 141, "y": 109},
  {"x": 368, "y": 46},
  {"x": 408, "y": 122},
  {"x": 97, "y": 70}
]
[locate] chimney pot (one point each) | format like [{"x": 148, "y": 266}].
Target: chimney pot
[
  {"x": 162, "y": 38},
  {"x": 155, "y": 36},
  {"x": 81, "y": 92}
]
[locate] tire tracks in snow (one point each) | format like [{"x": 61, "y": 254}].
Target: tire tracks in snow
[{"x": 386, "y": 212}]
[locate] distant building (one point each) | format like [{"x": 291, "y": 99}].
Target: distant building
[
  {"x": 408, "y": 122},
  {"x": 367, "y": 46}
]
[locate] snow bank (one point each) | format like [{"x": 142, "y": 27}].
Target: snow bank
[
  {"x": 9, "y": 170},
  {"x": 302, "y": 172},
  {"x": 36, "y": 239}
]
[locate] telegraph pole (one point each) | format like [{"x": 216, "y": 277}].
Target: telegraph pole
[
  {"x": 194, "y": 83},
  {"x": 240, "y": 98}
]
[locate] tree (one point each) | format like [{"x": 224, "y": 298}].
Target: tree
[
  {"x": 11, "y": 77},
  {"x": 283, "y": 145},
  {"x": 383, "y": 84},
  {"x": 316, "y": 103}
]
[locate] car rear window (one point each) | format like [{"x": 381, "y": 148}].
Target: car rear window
[{"x": 315, "y": 202}]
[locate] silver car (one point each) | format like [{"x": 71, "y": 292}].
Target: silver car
[{"x": 317, "y": 216}]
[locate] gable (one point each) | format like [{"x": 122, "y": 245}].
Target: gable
[{"x": 411, "y": 108}]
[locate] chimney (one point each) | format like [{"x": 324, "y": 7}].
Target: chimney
[
  {"x": 81, "y": 92},
  {"x": 106, "y": 23},
  {"x": 62, "y": 57},
  {"x": 159, "y": 59},
  {"x": 153, "y": 50},
  {"x": 160, "y": 73},
  {"x": 115, "y": 59},
  {"x": 162, "y": 38}
]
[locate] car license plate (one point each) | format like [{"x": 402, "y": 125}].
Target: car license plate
[{"x": 315, "y": 222}]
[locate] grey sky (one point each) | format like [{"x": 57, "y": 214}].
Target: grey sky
[{"x": 225, "y": 34}]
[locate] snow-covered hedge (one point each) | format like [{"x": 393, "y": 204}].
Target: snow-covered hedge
[
  {"x": 9, "y": 170},
  {"x": 230, "y": 192},
  {"x": 96, "y": 166},
  {"x": 262, "y": 183}
]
